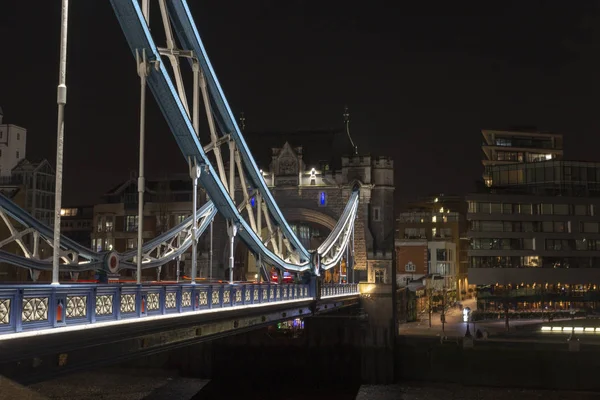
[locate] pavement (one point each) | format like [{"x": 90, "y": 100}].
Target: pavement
[{"x": 455, "y": 328}]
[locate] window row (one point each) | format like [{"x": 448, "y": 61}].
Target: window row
[
  {"x": 485, "y": 207},
  {"x": 534, "y": 262},
  {"x": 129, "y": 223},
  {"x": 107, "y": 244},
  {"x": 530, "y": 244},
  {"x": 533, "y": 226},
  {"x": 421, "y": 233},
  {"x": 502, "y": 244}
]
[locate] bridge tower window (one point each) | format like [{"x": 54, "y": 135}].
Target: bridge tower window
[{"x": 322, "y": 199}]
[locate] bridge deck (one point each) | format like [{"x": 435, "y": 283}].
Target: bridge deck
[
  {"x": 32, "y": 310},
  {"x": 43, "y": 349}
]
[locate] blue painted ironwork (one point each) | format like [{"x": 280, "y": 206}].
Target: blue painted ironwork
[
  {"x": 25, "y": 308},
  {"x": 339, "y": 290},
  {"x": 77, "y": 258},
  {"x": 139, "y": 38},
  {"x": 39, "y": 307}
]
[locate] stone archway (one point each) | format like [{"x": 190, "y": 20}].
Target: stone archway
[{"x": 244, "y": 263}]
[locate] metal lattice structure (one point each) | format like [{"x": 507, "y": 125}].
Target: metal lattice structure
[
  {"x": 28, "y": 233},
  {"x": 279, "y": 247}
]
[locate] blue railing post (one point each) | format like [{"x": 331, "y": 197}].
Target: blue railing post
[
  {"x": 18, "y": 310},
  {"x": 91, "y": 306}
]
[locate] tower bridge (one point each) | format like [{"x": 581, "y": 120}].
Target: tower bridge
[{"x": 254, "y": 214}]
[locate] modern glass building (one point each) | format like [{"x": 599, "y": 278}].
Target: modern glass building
[{"x": 535, "y": 230}]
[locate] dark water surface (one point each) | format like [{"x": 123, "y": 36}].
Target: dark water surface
[
  {"x": 280, "y": 387},
  {"x": 298, "y": 388}
]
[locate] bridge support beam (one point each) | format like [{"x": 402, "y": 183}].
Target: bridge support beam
[
  {"x": 232, "y": 229},
  {"x": 143, "y": 71},
  {"x": 194, "y": 174}
]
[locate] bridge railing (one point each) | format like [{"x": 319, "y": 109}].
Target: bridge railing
[
  {"x": 337, "y": 290},
  {"x": 40, "y": 307}
]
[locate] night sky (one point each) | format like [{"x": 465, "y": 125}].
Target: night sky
[{"x": 421, "y": 81}]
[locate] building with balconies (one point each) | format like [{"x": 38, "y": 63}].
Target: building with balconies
[
  {"x": 503, "y": 147},
  {"x": 535, "y": 232},
  {"x": 431, "y": 220}
]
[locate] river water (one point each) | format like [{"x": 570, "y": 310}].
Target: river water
[{"x": 298, "y": 388}]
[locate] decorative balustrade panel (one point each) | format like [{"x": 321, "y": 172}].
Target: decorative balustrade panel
[
  {"x": 339, "y": 290},
  {"x": 37, "y": 307}
]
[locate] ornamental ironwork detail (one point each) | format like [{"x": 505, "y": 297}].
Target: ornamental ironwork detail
[
  {"x": 104, "y": 304},
  {"x": 35, "y": 309},
  {"x": 4, "y": 311},
  {"x": 204, "y": 298},
  {"x": 76, "y": 306},
  {"x": 171, "y": 300},
  {"x": 153, "y": 301},
  {"x": 186, "y": 299},
  {"x": 127, "y": 303}
]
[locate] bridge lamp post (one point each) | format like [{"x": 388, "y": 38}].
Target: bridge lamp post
[{"x": 62, "y": 101}]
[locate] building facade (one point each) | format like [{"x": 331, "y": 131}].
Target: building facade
[
  {"x": 312, "y": 195},
  {"x": 76, "y": 222},
  {"x": 311, "y": 200},
  {"x": 518, "y": 146},
  {"x": 441, "y": 219},
  {"x": 167, "y": 203},
  {"x": 13, "y": 140},
  {"x": 535, "y": 234},
  {"x": 31, "y": 187}
]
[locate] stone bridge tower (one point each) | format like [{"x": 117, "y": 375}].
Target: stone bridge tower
[{"x": 312, "y": 199}]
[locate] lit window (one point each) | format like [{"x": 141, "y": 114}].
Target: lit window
[
  {"x": 434, "y": 218},
  {"x": 322, "y": 199},
  {"x": 379, "y": 276},
  {"x": 109, "y": 224},
  {"x": 131, "y": 223}
]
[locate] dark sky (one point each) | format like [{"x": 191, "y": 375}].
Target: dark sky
[{"x": 420, "y": 80}]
